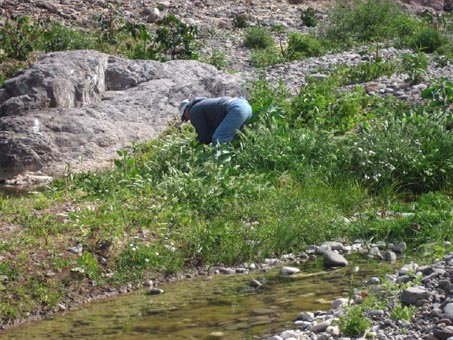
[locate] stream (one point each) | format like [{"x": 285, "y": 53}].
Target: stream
[{"x": 219, "y": 307}]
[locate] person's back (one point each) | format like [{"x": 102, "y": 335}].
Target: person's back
[
  {"x": 206, "y": 115},
  {"x": 216, "y": 120}
]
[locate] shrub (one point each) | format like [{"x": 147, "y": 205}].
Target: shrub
[
  {"x": 364, "y": 21},
  {"x": 427, "y": 40},
  {"x": 258, "y": 37},
  {"x": 413, "y": 152},
  {"x": 218, "y": 59},
  {"x": 302, "y": 46},
  {"x": 19, "y": 36},
  {"x": 440, "y": 93},
  {"x": 405, "y": 28},
  {"x": 175, "y": 39},
  {"x": 444, "y": 54},
  {"x": 320, "y": 105},
  {"x": 354, "y": 322},
  {"x": 415, "y": 65},
  {"x": 241, "y": 21},
  {"x": 312, "y": 101},
  {"x": 366, "y": 71},
  {"x": 266, "y": 57},
  {"x": 267, "y": 100},
  {"x": 60, "y": 38},
  {"x": 144, "y": 47},
  {"x": 109, "y": 25},
  {"x": 308, "y": 17}
]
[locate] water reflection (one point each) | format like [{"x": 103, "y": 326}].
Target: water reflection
[{"x": 19, "y": 190}]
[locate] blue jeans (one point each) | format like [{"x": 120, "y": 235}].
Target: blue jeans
[{"x": 238, "y": 112}]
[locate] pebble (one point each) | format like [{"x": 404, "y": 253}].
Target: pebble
[
  {"x": 255, "y": 284},
  {"x": 286, "y": 271},
  {"x": 155, "y": 291}
]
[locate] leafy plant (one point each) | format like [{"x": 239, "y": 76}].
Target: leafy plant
[
  {"x": 411, "y": 151},
  {"x": 258, "y": 37},
  {"x": 308, "y": 17},
  {"x": 415, "y": 65},
  {"x": 144, "y": 48},
  {"x": 241, "y": 21},
  {"x": 427, "y": 40},
  {"x": 440, "y": 93},
  {"x": 175, "y": 38},
  {"x": 19, "y": 36},
  {"x": 9, "y": 68},
  {"x": 366, "y": 71},
  {"x": 363, "y": 21},
  {"x": 265, "y": 57},
  {"x": 218, "y": 59},
  {"x": 400, "y": 312},
  {"x": 109, "y": 24},
  {"x": 302, "y": 46},
  {"x": 354, "y": 322},
  {"x": 57, "y": 37},
  {"x": 90, "y": 266}
]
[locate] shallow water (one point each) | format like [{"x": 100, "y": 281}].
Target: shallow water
[
  {"x": 19, "y": 190},
  {"x": 223, "y": 307}
]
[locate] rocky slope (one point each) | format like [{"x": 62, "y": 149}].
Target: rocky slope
[{"x": 77, "y": 108}]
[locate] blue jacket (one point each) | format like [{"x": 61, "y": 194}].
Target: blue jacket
[{"x": 206, "y": 114}]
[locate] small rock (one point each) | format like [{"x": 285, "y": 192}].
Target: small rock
[
  {"x": 332, "y": 245},
  {"x": 148, "y": 283},
  {"x": 374, "y": 281},
  {"x": 216, "y": 335},
  {"x": 153, "y": 16},
  {"x": 321, "y": 327},
  {"x": 76, "y": 250},
  {"x": 255, "y": 284},
  {"x": 318, "y": 76},
  {"x": 448, "y": 311},
  {"x": 289, "y": 271},
  {"x": 389, "y": 256},
  {"x": 443, "y": 333},
  {"x": 289, "y": 334},
  {"x": 227, "y": 271},
  {"x": 155, "y": 291},
  {"x": 339, "y": 303},
  {"x": 400, "y": 247},
  {"x": 305, "y": 316},
  {"x": 412, "y": 295},
  {"x": 332, "y": 259}
]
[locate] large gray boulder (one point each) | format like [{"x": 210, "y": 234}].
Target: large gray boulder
[{"x": 75, "y": 109}]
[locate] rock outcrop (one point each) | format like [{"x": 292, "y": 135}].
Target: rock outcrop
[{"x": 73, "y": 108}]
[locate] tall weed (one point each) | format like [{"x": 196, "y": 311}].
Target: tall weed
[{"x": 414, "y": 151}]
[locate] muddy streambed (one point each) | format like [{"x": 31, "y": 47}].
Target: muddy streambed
[{"x": 219, "y": 307}]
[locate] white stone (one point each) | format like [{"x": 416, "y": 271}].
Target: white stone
[
  {"x": 289, "y": 271},
  {"x": 339, "y": 303}
]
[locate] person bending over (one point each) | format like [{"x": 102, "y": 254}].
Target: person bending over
[{"x": 216, "y": 120}]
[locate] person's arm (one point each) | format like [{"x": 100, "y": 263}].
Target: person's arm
[{"x": 199, "y": 121}]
